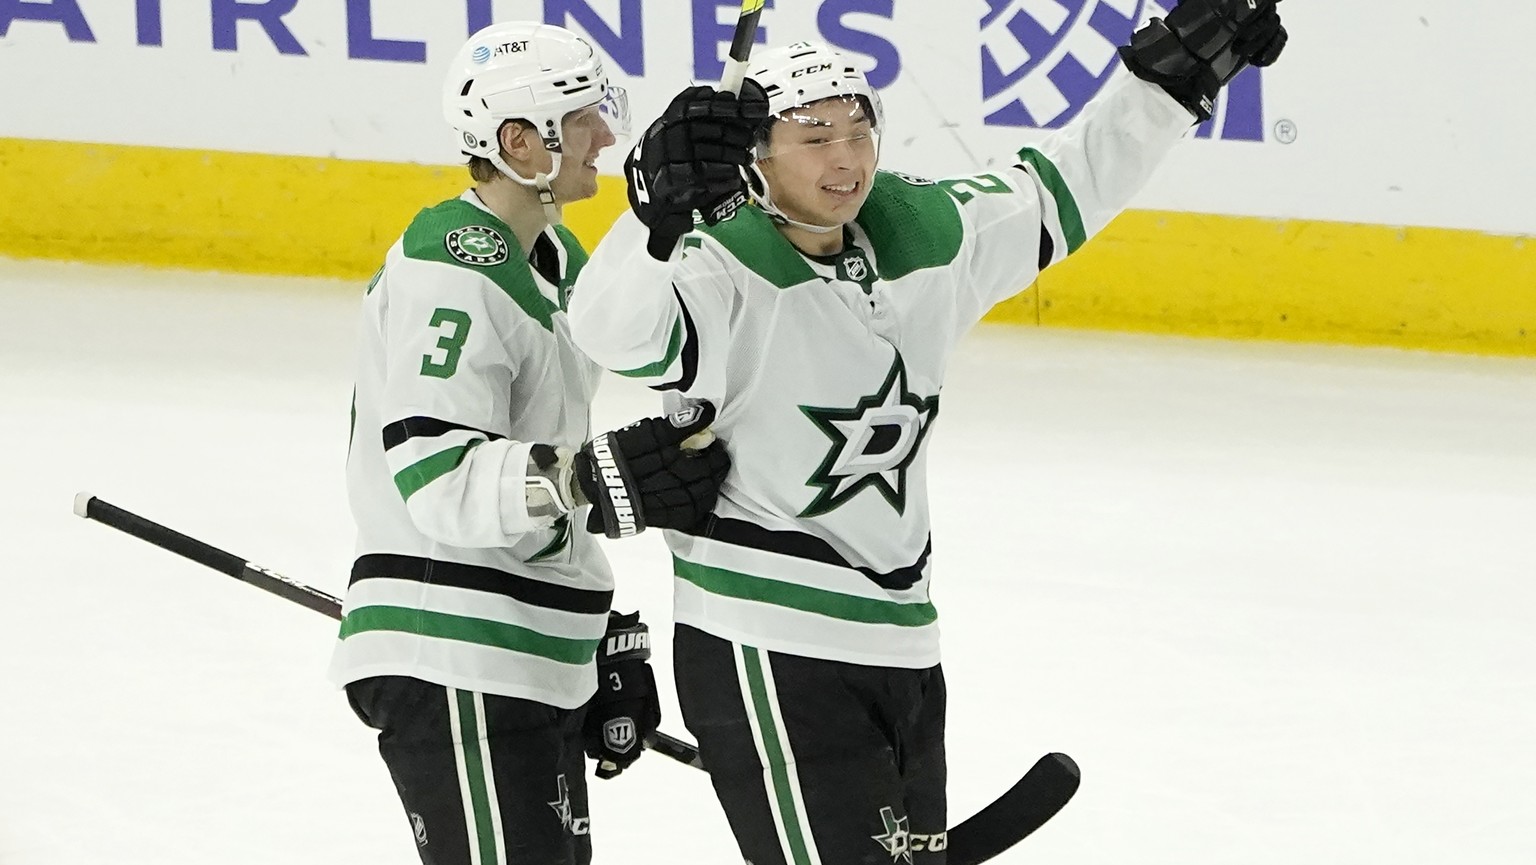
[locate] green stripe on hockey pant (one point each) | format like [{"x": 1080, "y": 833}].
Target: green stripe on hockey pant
[
  {"x": 413, "y": 477},
  {"x": 799, "y": 846},
  {"x": 1066, "y": 206},
  {"x": 465, "y": 629},
  {"x": 851, "y": 608},
  {"x": 475, "y": 782},
  {"x": 530, "y": 769}
]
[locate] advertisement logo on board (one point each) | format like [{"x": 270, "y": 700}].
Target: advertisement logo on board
[{"x": 1042, "y": 61}]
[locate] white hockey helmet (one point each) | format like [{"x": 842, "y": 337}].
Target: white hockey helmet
[
  {"x": 800, "y": 74},
  {"x": 523, "y": 70}
]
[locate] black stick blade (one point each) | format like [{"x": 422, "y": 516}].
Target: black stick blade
[
  {"x": 677, "y": 749},
  {"x": 1045, "y": 789}
]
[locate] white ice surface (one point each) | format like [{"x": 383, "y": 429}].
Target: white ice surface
[{"x": 1278, "y": 601}]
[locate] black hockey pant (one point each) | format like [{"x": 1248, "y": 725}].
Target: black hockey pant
[
  {"x": 818, "y": 762},
  {"x": 503, "y": 776}
]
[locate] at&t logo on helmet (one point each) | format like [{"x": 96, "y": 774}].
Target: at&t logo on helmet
[{"x": 1042, "y": 61}]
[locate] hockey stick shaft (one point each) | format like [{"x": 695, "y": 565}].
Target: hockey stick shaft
[
  {"x": 93, "y": 508},
  {"x": 741, "y": 46}
]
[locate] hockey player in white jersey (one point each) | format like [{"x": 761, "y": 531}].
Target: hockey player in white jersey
[
  {"x": 819, "y": 320},
  {"x": 474, "y": 623}
]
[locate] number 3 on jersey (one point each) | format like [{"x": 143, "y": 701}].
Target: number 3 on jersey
[{"x": 453, "y": 326}]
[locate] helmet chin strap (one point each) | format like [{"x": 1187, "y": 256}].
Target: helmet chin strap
[
  {"x": 757, "y": 184},
  {"x": 540, "y": 182}
]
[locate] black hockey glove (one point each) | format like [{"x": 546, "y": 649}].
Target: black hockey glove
[
  {"x": 1202, "y": 44},
  {"x": 625, "y": 711},
  {"x": 690, "y": 159},
  {"x": 642, "y": 475}
]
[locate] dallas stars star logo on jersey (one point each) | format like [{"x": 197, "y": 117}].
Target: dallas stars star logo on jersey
[
  {"x": 479, "y": 245},
  {"x": 873, "y": 443}
]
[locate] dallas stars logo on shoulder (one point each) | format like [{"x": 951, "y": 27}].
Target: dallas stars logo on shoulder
[
  {"x": 873, "y": 443},
  {"x": 913, "y": 178},
  {"x": 479, "y": 245}
]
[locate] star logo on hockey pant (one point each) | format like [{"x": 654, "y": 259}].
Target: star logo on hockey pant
[
  {"x": 896, "y": 840},
  {"x": 873, "y": 443},
  {"x": 562, "y": 805}
]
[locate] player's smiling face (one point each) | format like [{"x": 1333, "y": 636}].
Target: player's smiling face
[
  {"x": 821, "y": 161},
  {"x": 585, "y": 134}
]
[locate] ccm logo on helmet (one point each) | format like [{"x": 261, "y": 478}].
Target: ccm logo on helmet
[{"x": 820, "y": 67}]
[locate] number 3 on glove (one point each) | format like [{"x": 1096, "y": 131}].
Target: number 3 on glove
[
  {"x": 643, "y": 475},
  {"x": 625, "y": 710}
]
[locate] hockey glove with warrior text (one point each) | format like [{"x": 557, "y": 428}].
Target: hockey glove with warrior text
[
  {"x": 642, "y": 475},
  {"x": 625, "y": 711},
  {"x": 1202, "y": 45},
  {"x": 690, "y": 159}
]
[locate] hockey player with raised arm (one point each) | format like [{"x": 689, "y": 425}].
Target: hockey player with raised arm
[
  {"x": 474, "y": 627},
  {"x": 819, "y": 320}
]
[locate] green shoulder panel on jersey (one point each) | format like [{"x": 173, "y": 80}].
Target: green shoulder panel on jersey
[
  {"x": 911, "y": 225},
  {"x": 751, "y": 237},
  {"x": 460, "y": 234}
]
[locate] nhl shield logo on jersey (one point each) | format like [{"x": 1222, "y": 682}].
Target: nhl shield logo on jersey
[
  {"x": 479, "y": 245},
  {"x": 852, "y": 266}
]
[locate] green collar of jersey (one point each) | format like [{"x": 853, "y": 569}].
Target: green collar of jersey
[
  {"x": 460, "y": 234},
  {"x": 851, "y": 264},
  {"x": 911, "y": 225}
]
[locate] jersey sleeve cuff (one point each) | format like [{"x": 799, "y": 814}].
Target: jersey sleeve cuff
[{"x": 515, "y": 519}]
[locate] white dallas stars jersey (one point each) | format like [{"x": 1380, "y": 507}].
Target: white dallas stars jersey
[
  {"x": 466, "y": 361},
  {"x": 827, "y": 374}
]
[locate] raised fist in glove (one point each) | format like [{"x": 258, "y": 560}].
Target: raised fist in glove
[
  {"x": 625, "y": 710},
  {"x": 1202, "y": 45},
  {"x": 690, "y": 159},
  {"x": 642, "y": 475}
]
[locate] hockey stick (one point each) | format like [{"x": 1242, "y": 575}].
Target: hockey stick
[
  {"x": 92, "y": 508},
  {"x": 741, "y": 46},
  {"x": 730, "y": 80},
  {"x": 1027, "y": 805},
  {"x": 1035, "y": 798}
]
